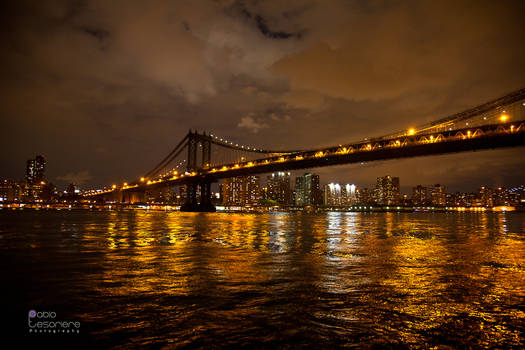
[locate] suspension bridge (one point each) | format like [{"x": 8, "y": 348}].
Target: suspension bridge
[{"x": 200, "y": 159}]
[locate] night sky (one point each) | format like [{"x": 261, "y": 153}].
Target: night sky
[{"x": 105, "y": 89}]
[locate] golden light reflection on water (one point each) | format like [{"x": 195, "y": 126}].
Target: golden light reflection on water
[
  {"x": 428, "y": 267},
  {"x": 387, "y": 278}
]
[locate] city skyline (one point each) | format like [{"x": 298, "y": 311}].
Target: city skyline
[
  {"x": 246, "y": 72},
  {"x": 405, "y": 188},
  {"x": 281, "y": 189},
  {"x": 39, "y": 162}
]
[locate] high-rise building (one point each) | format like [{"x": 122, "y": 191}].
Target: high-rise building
[
  {"x": 348, "y": 194},
  {"x": 332, "y": 194},
  {"x": 501, "y": 196},
  {"x": 387, "y": 190},
  {"x": 517, "y": 195},
  {"x": 419, "y": 195},
  {"x": 264, "y": 192},
  {"x": 307, "y": 190},
  {"x": 35, "y": 170},
  {"x": 365, "y": 196},
  {"x": 486, "y": 196},
  {"x": 278, "y": 188},
  {"x": 160, "y": 195},
  {"x": 340, "y": 195},
  {"x": 241, "y": 190},
  {"x": 405, "y": 200},
  {"x": 11, "y": 191},
  {"x": 35, "y": 178},
  {"x": 437, "y": 195}
]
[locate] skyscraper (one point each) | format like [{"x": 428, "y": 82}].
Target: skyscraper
[
  {"x": 278, "y": 185},
  {"x": 241, "y": 190},
  {"x": 339, "y": 195},
  {"x": 419, "y": 195},
  {"x": 332, "y": 194},
  {"x": 348, "y": 194},
  {"x": 35, "y": 170},
  {"x": 486, "y": 195},
  {"x": 365, "y": 196},
  {"x": 307, "y": 190},
  {"x": 438, "y": 195},
  {"x": 35, "y": 177},
  {"x": 501, "y": 196},
  {"x": 387, "y": 190}
]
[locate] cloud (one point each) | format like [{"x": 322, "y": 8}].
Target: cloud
[
  {"x": 395, "y": 50},
  {"x": 88, "y": 82},
  {"x": 304, "y": 99},
  {"x": 251, "y": 124},
  {"x": 276, "y": 118},
  {"x": 78, "y": 178}
]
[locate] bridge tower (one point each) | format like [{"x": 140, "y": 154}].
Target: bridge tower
[{"x": 196, "y": 140}]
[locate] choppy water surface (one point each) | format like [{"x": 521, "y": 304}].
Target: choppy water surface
[{"x": 168, "y": 279}]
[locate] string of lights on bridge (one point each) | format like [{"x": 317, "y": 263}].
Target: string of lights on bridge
[{"x": 236, "y": 144}]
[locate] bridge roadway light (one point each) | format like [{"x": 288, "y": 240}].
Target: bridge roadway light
[
  {"x": 411, "y": 131},
  {"x": 503, "y": 117}
]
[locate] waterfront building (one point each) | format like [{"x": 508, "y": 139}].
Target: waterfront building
[
  {"x": 348, "y": 194},
  {"x": 387, "y": 190},
  {"x": 419, "y": 195},
  {"x": 161, "y": 195},
  {"x": 517, "y": 195},
  {"x": 278, "y": 188},
  {"x": 307, "y": 190},
  {"x": 365, "y": 196},
  {"x": 340, "y": 195},
  {"x": 264, "y": 192},
  {"x": 35, "y": 178},
  {"x": 501, "y": 197},
  {"x": 241, "y": 190},
  {"x": 406, "y": 200},
  {"x": 486, "y": 195},
  {"x": 437, "y": 195},
  {"x": 35, "y": 170},
  {"x": 11, "y": 191},
  {"x": 332, "y": 195}
]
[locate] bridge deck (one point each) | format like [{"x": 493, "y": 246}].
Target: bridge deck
[{"x": 405, "y": 146}]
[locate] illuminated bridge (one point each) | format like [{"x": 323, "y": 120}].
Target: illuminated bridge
[{"x": 200, "y": 159}]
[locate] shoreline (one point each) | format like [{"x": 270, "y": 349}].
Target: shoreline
[{"x": 236, "y": 209}]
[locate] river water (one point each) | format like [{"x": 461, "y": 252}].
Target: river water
[{"x": 139, "y": 279}]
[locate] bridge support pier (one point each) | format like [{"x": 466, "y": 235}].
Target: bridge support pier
[
  {"x": 205, "y": 205},
  {"x": 191, "y": 198},
  {"x": 191, "y": 203},
  {"x": 137, "y": 197}
]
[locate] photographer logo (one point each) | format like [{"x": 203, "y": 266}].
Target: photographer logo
[{"x": 47, "y": 322}]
